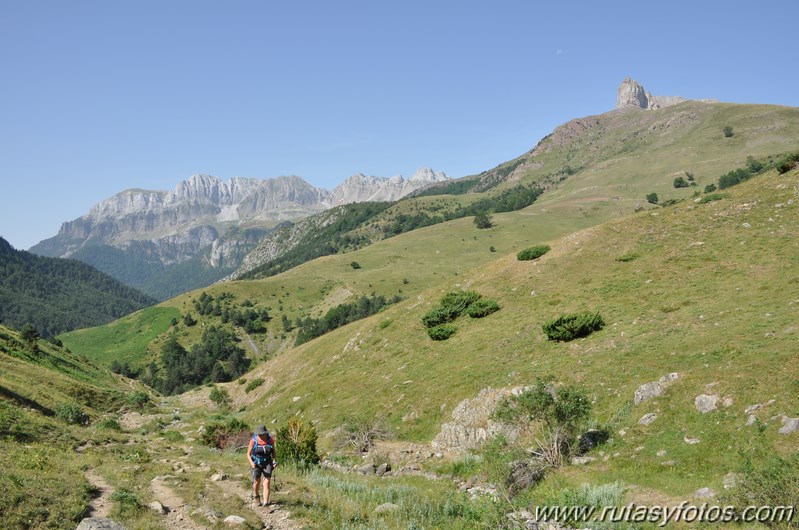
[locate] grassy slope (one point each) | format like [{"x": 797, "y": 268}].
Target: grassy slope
[
  {"x": 709, "y": 297},
  {"x": 624, "y": 156},
  {"x": 52, "y": 376}
]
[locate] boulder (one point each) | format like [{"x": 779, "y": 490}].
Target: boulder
[
  {"x": 235, "y": 520},
  {"x": 592, "y": 438},
  {"x": 789, "y": 425},
  {"x": 646, "y": 419},
  {"x": 705, "y": 403},
  {"x": 704, "y": 493},
  {"x": 157, "y": 507},
  {"x": 387, "y": 507},
  {"x": 100, "y": 523},
  {"x": 218, "y": 477},
  {"x": 648, "y": 391},
  {"x": 730, "y": 480},
  {"x": 365, "y": 469},
  {"x": 691, "y": 441},
  {"x": 382, "y": 469},
  {"x": 472, "y": 423}
]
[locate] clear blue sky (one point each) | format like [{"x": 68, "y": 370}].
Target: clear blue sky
[{"x": 100, "y": 96}]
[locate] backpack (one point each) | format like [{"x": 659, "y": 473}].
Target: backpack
[{"x": 266, "y": 451}]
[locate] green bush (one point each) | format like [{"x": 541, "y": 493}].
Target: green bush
[
  {"x": 652, "y": 198},
  {"x": 126, "y": 504},
  {"x": 137, "y": 399},
  {"x": 573, "y": 326},
  {"x": 533, "y": 252},
  {"x": 482, "y": 220},
  {"x": 437, "y": 316},
  {"x": 712, "y": 197},
  {"x": 220, "y": 396},
  {"x": 482, "y": 308},
  {"x": 252, "y": 385},
  {"x": 297, "y": 443},
  {"x": 788, "y": 163},
  {"x": 72, "y": 413},
  {"x": 680, "y": 182},
  {"x": 459, "y": 301},
  {"x": 442, "y": 332},
  {"x": 629, "y": 256},
  {"x": 355, "y": 265},
  {"x": 710, "y": 188},
  {"x": 109, "y": 424},
  {"x": 727, "y": 132}
]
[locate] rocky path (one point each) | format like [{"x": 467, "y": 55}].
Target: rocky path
[
  {"x": 100, "y": 505},
  {"x": 175, "y": 516},
  {"x": 274, "y": 517}
]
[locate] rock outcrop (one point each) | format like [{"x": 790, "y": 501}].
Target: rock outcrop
[
  {"x": 632, "y": 94},
  {"x": 472, "y": 425}
]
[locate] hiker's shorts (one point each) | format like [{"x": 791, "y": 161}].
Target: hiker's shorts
[{"x": 266, "y": 471}]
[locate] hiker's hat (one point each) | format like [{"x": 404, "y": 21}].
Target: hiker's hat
[{"x": 261, "y": 430}]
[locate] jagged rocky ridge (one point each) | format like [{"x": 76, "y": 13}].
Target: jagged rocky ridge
[{"x": 204, "y": 219}]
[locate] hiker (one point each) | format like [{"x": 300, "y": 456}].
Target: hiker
[{"x": 261, "y": 454}]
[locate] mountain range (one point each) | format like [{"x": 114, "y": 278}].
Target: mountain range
[{"x": 167, "y": 242}]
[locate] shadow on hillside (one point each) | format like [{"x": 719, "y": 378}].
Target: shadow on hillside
[{"x": 24, "y": 402}]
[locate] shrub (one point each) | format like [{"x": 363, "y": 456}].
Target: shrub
[
  {"x": 573, "y": 326},
  {"x": 72, "y": 413},
  {"x": 442, "y": 332},
  {"x": 458, "y": 302},
  {"x": 29, "y": 334},
  {"x": 680, "y": 182},
  {"x": 712, "y": 197},
  {"x": 297, "y": 443},
  {"x": 629, "y": 256},
  {"x": 252, "y": 385},
  {"x": 788, "y": 163},
  {"x": 220, "y": 396},
  {"x": 482, "y": 308},
  {"x": 355, "y": 265},
  {"x": 219, "y": 434},
  {"x": 652, "y": 198},
  {"x": 492, "y": 249},
  {"x": 109, "y": 424},
  {"x": 137, "y": 399},
  {"x": 482, "y": 221},
  {"x": 126, "y": 504},
  {"x": 533, "y": 252},
  {"x": 361, "y": 434},
  {"x": 727, "y": 132},
  {"x": 437, "y": 316},
  {"x": 710, "y": 188}
]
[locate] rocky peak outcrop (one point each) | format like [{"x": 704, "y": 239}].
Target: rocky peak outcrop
[
  {"x": 632, "y": 94},
  {"x": 362, "y": 188}
]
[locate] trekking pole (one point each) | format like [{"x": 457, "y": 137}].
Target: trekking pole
[{"x": 252, "y": 488}]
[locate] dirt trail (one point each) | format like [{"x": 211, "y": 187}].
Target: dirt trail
[
  {"x": 274, "y": 517},
  {"x": 177, "y": 516},
  {"x": 100, "y": 505}
]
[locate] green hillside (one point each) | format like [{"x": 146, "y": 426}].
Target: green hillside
[
  {"x": 57, "y": 295},
  {"x": 705, "y": 290},
  {"x": 592, "y": 168},
  {"x": 48, "y": 397}
]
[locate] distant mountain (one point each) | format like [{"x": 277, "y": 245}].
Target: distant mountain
[
  {"x": 168, "y": 242},
  {"x": 57, "y": 295}
]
